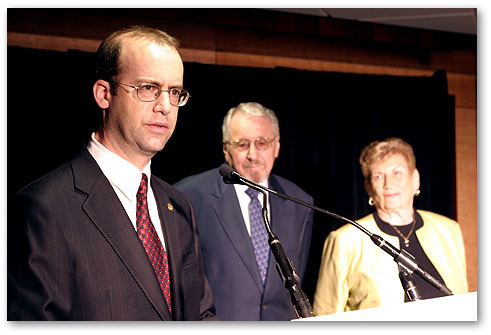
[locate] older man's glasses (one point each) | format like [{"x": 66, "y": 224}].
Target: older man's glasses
[
  {"x": 261, "y": 143},
  {"x": 151, "y": 92}
]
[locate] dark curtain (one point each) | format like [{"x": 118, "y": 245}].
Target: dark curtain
[{"x": 325, "y": 120}]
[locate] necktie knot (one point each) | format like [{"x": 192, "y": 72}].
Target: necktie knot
[
  {"x": 143, "y": 188},
  {"x": 252, "y": 193}
]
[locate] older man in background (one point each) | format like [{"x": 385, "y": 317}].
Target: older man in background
[{"x": 236, "y": 255}]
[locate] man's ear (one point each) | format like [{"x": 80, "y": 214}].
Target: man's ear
[
  {"x": 226, "y": 154},
  {"x": 102, "y": 93},
  {"x": 277, "y": 147}
]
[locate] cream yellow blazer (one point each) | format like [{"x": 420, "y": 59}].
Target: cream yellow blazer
[{"x": 356, "y": 274}]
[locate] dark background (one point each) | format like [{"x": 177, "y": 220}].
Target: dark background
[{"x": 325, "y": 120}]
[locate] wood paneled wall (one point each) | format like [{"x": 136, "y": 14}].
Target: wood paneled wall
[{"x": 259, "y": 38}]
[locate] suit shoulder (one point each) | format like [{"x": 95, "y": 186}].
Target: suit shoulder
[
  {"x": 436, "y": 216},
  {"x": 438, "y": 221},
  {"x": 200, "y": 181},
  {"x": 292, "y": 189},
  {"x": 349, "y": 232},
  {"x": 170, "y": 190},
  {"x": 43, "y": 195},
  {"x": 57, "y": 179}
]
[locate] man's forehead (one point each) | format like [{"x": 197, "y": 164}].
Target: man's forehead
[
  {"x": 150, "y": 53},
  {"x": 136, "y": 44},
  {"x": 251, "y": 124}
]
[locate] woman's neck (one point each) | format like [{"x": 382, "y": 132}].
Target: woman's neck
[{"x": 396, "y": 217}]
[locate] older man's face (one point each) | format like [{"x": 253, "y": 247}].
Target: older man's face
[{"x": 252, "y": 163}]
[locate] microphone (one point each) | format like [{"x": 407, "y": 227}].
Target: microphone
[{"x": 230, "y": 176}]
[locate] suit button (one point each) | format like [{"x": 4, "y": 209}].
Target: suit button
[{"x": 264, "y": 306}]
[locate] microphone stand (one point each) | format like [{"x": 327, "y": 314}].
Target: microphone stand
[
  {"x": 401, "y": 257},
  {"x": 285, "y": 266}
]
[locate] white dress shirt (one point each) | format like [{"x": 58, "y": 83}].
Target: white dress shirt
[
  {"x": 244, "y": 201},
  {"x": 125, "y": 179}
]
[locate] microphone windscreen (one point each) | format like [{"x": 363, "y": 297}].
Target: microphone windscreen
[
  {"x": 228, "y": 180},
  {"x": 225, "y": 170}
]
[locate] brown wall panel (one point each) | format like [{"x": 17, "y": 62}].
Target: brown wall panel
[{"x": 466, "y": 165}]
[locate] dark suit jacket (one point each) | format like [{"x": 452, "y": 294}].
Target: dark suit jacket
[
  {"x": 73, "y": 253},
  {"x": 228, "y": 254}
]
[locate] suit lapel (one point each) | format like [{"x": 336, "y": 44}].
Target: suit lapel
[
  {"x": 280, "y": 210},
  {"x": 279, "y": 221},
  {"x": 227, "y": 209},
  {"x": 106, "y": 212}
]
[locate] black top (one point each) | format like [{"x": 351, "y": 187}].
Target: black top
[{"x": 425, "y": 289}]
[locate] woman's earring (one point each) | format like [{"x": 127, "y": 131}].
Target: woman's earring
[
  {"x": 417, "y": 192},
  {"x": 370, "y": 201}
]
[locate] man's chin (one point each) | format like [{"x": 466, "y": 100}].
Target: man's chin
[{"x": 256, "y": 177}]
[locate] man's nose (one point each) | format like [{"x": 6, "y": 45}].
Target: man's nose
[
  {"x": 252, "y": 151},
  {"x": 162, "y": 103}
]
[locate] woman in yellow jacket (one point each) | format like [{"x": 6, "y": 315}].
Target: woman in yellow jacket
[{"x": 355, "y": 273}]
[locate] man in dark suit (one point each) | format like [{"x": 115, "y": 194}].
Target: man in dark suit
[
  {"x": 238, "y": 264},
  {"x": 100, "y": 238}
]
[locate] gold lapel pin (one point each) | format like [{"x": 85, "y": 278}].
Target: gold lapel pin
[{"x": 170, "y": 207}]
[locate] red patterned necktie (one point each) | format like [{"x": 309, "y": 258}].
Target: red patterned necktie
[{"x": 151, "y": 242}]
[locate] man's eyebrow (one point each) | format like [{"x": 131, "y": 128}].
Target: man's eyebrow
[
  {"x": 154, "y": 82},
  {"x": 179, "y": 86},
  {"x": 147, "y": 81}
]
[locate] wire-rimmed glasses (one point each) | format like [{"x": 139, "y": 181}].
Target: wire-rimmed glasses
[
  {"x": 261, "y": 143},
  {"x": 150, "y": 92}
]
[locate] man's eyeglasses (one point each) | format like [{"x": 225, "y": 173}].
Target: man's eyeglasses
[
  {"x": 261, "y": 143},
  {"x": 150, "y": 92}
]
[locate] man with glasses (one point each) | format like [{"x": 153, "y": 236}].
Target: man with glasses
[
  {"x": 100, "y": 238},
  {"x": 236, "y": 255}
]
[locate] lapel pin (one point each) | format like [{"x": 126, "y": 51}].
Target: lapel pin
[{"x": 170, "y": 207}]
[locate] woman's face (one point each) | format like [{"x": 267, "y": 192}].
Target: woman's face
[{"x": 391, "y": 184}]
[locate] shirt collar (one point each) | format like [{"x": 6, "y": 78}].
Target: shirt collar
[
  {"x": 242, "y": 188},
  {"x": 121, "y": 173}
]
